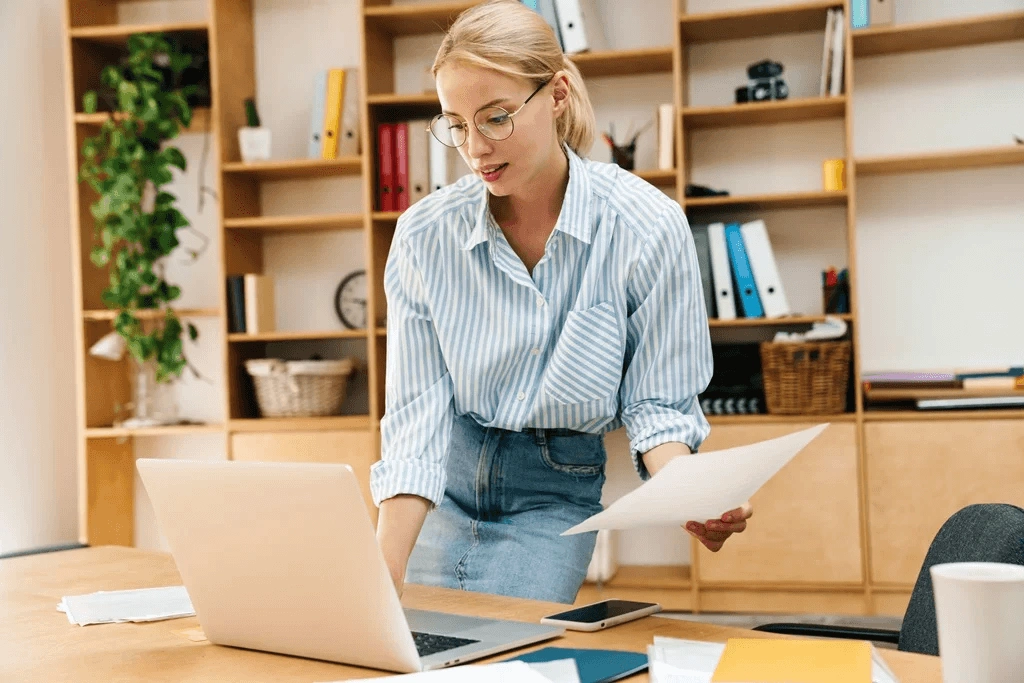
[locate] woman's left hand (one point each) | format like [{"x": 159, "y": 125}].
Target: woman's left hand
[{"x": 714, "y": 532}]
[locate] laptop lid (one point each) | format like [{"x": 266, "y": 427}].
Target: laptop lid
[{"x": 281, "y": 557}]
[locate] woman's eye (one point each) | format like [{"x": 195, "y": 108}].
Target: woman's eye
[{"x": 498, "y": 119}]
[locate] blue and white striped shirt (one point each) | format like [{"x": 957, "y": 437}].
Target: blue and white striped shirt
[{"x": 610, "y": 330}]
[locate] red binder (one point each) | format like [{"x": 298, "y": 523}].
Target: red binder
[
  {"x": 401, "y": 186},
  {"x": 386, "y": 166}
]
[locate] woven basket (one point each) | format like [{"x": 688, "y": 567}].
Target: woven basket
[
  {"x": 309, "y": 388},
  {"x": 806, "y": 378}
]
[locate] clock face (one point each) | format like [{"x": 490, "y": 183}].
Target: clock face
[{"x": 350, "y": 300}]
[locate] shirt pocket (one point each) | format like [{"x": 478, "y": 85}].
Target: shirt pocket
[{"x": 587, "y": 361}]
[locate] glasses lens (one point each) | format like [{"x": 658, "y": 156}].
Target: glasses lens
[
  {"x": 448, "y": 130},
  {"x": 494, "y": 122}
]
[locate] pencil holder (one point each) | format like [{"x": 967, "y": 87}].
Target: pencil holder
[{"x": 624, "y": 155}]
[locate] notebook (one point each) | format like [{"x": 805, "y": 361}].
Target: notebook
[
  {"x": 770, "y": 660},
  {"x": 594, "y": 666}
]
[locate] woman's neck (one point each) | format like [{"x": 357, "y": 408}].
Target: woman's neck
[{"x": 540, "y": 197}]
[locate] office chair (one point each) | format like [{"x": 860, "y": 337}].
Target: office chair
[
  {"x": 977, "y": 533},
  {"x": 44, "y": 549}
]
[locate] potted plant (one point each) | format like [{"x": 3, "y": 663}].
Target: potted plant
[{"x": 137, "y": 222}]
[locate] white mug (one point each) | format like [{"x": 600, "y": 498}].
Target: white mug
[{"x": 979, "y": 608}]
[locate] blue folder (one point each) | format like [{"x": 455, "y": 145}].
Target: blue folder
[
  {"x": 594, "y": 666},
  {"x": 859, "y": 12},
  {"x": 746, "y": 288}
]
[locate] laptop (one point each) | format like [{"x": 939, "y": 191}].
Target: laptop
[{"x": 283, "y": 557}]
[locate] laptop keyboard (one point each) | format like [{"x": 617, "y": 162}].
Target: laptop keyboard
[{"x": 430, "y": 643}]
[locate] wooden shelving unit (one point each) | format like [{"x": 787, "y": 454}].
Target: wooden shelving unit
[
  {"x": 941, "y": 161},
  {"x": 117, "y": 34},
  {"x": 938, "y": 35},
  {"x": 624, "y": 62},
  {"x": 296, "y": 336},
  {"x": 763, "y": 113},
  {"x": 409, "y": 20},
  {"x": 280, "y": 224},
  {"x": 293, "y": 169},
  {"x": 788, "y": 200},
  {"x": 751, "y": 23},
  {"x": 776, "y": 322}
]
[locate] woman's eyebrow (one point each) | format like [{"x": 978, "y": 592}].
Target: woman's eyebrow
[{"x": 486, "y": 104}]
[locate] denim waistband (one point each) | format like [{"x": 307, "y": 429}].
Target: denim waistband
[{"x": 539, "y": 434}]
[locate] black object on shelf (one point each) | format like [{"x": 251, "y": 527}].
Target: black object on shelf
[
  {"x": 765, "y": 83},
  {"x": 737, "y": 384},
  {"x": 704, "y": 191}
]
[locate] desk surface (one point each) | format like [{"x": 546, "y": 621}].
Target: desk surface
[{"x": 38, "y": 644}]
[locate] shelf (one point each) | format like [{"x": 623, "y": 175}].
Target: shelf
[
  {"x": 300, "y": 424},
  {"x": 200, "y": 119},
  {"x": 669, "y": 577},
  {"x": 941, "y": 161},
  {"x": 776, "y": 322},
  {"x": 389, "y": 216},
  {"x": 758, "y": 113},
  {"x": 151, "y": 314},
  {"x": 914, "y": 415},
  {"x": 169, "y": 430},
  {"x": 749, "y": 23},
  {"x": 382, "y": 331},
  {"x": 279, "y": 224},
  {"x": 117, "y": 34},
  {"x": 779, "y": 419},
  {"x": 650, "y": 60},
  {"x": 286, "y": 169},
  {"x": 658, "y": 177},
  {"x": 418, "y": 19},
  {"x": 937, "y": 35},
  {"x": 296, "y": 335},
  {"x": 790, "y": 200}
]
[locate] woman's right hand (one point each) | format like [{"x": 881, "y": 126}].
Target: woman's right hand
[{"x": 398, "y": 525}]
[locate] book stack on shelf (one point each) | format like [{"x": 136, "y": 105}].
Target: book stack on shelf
[{"x": 950, "y": 390}]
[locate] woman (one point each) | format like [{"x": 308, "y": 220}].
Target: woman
[{"x": 532, "y": 306}]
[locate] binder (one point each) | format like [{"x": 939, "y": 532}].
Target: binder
[
  {"x": 260, "y": 313},
  {"x": 316, "y": 117},
  {"x": 332, "y": 112},
  {"x": 546, "y": 8},
  {"x": 859, "y": 13},
  {"x": 236, "y": 303},
  {"x": 401, "y": 186},
  {"x": 721, "y": 272},
  {"x": 440, "y": 168},
  {"x": 743, "y": 277},
  {"x": 765, "y": 269},
  {"x": 419, "y": 160},
  {"x": 703, "y": 248},
  {"x": 580, "y": 25},
  {"x": 386, "y": 166},
  {"x": 348, "y": 133},
  {"x": 666, "y": 137},
  {"x": 881, "y": 12}
]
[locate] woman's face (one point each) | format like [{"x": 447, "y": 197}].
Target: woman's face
[{"x": 508, "y": 165}]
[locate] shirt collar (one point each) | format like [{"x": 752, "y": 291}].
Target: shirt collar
[{"x": 574, "y": 219}]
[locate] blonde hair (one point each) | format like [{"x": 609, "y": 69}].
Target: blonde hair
[{"x": 509, "y": 37}]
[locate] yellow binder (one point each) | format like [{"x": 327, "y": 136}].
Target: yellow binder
[
  {"x": 775, "y": 660},
  {"x": 332, "y": 112}
]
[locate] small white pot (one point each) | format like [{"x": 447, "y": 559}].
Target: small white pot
[{"x": 254, "y": 143}]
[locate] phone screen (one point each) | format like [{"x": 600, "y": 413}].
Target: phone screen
[{"x": 600, "y": 611}]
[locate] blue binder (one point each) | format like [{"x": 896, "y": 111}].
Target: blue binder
[
  {"x": 859, "y": 13},
  {"x": 594, "y": 666},
  {"x": 746, "y": 288}
]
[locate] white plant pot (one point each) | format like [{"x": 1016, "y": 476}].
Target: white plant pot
[{"x": 254, "y": 143}]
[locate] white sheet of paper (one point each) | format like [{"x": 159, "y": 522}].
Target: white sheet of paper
[
  {"x": 146, "y": 604},
  {"x": 674, "y": 660},
  {"x": 504, "y": 672},
  {"x": 558, "y": 670},
  {"x": 702, "y": 486}
]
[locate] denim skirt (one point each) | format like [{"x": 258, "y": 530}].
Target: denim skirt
[{"x": 508, "y": 497}]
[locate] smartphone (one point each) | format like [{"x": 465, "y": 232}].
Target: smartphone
[{"x": 599, "y": 615}]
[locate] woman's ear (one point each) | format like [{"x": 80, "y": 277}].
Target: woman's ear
[{"x": 560, "y": 93}]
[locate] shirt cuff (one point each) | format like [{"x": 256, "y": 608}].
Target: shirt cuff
[
  {"x": 390, "y": 478},
  {"x": 688, "y": 429}
]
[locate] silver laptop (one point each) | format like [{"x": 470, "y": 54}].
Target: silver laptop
[{"x": 283, "y": 558}]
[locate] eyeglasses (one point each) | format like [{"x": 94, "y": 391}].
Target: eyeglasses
[{"x": 493, "y": 122}]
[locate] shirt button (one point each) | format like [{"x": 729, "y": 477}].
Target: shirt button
[
  {"x": 521, "y": 396},
  {"x": 534, "y": 352},
  {"x": 540, "y": 301}
]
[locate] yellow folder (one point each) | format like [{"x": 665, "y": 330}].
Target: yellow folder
[
  {"x": 332, "y": 112},
  {"x": 776, "y": 660}
]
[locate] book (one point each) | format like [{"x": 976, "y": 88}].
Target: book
[
  {"x": 838, "y": 51},
  {"x": 826, "y": 55},
  {"x": 777, "y": 660},
  {"x": 236, "y": 303},
  {"x": 260, "y": 311},
  {"x": 666, "y": 137},
  {"x": 594, "y": 666}
]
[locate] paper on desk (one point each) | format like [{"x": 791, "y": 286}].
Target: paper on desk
[
  {"x": 503, "y": 672},
  {"x": 702, "y": 486},
  {"x": 109, "y": 607},
  {"x": 558, "y": 670}
]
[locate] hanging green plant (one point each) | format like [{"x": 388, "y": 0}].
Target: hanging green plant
[{"x": 136, "y": 222}]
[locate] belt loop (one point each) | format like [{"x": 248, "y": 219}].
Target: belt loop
[{"x": 540, "y": 436}]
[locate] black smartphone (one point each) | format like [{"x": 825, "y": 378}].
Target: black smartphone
[{"x": 599, "y": 615}]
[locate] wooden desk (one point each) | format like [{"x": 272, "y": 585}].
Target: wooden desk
[{"x": 38, "y": 644}]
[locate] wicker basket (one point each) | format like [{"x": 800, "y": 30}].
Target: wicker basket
[
  {"x": 309, "y": 388},
  {"x": 806, "y": 378}
]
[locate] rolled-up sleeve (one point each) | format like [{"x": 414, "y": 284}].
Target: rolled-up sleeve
[
  {"x": 417, "y": 422},
  {"x": 668, "y": 344}
]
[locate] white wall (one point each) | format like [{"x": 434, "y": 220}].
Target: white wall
[{"x": 37, "y": 404}]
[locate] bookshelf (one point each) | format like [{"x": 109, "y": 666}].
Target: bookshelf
[{"x": 835, "y": 477}]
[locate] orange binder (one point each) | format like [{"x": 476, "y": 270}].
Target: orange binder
[
  {"x": 775, "y": 660},
  {"x": 332, "y": 112}
]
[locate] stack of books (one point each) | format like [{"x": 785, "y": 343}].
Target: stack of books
[{"x": 950, "y": 390}]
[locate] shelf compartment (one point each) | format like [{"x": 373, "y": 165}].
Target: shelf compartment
[
  {"x": 418, "y": 19},
  {"x": 117, "y": 34},
  {"x": 650, "y": 60},
  {"x": 670, "y": 577},
  {"x": 937, "y": 35},
  {"x": 776, "y": 322},
  {"x": 292, "y": 224},
  {"x": 789, "y": 200},
  {"x": 300, "y": 424},
  {"x": 658, "y": 177},
  {"x": 871, "y": 415},
  {"x": 750, "y": 23},
  {"x": 200, "y": 123},
  {"x": 296, "y": 335},
  {"x": 166, "y": 430},
  {"x": 386, "y": 216},
  {"x": 758, "y": 113},
  {"x": 941, "y": 161},
  {"x": 765, "y": 418},
  {"x": 151, "y": 314},
  {"x": 288, "y": 169}
]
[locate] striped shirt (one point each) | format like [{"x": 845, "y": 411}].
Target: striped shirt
[{"x": 609, "y": 330}]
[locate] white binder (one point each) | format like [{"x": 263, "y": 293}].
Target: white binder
[
  {"x": 439, "y": 166},
  {"x": 838, "y": 52},
  {"x": 765, "y": 269},
  {"x": 348, "y": 133},
  {"x": 419, "y": 160},
  {"x": 580, "y": 26},
  {"x": 721, "y": 272},
  {"x": 316, "y": 120}
]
